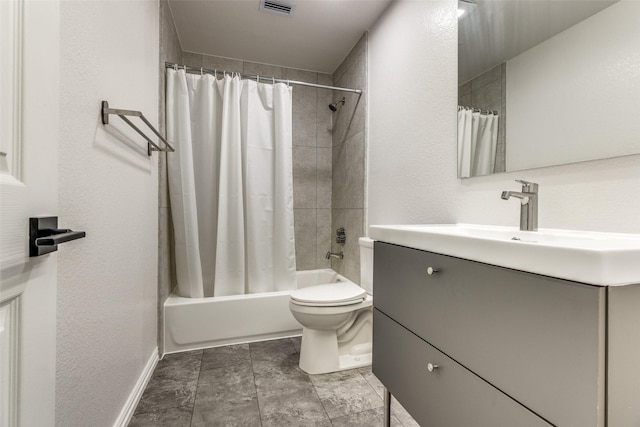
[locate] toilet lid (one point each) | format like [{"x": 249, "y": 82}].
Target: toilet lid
[{"x": 341, "y": 293}]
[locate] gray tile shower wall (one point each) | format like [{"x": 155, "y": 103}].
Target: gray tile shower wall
[
  {"x": 349, "y": 139},
  {"x": 488, "y": 92}
]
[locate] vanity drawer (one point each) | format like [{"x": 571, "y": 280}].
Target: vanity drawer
[
  {"x": 538, "y": 339},
  {"x": 450, "y": 395}
]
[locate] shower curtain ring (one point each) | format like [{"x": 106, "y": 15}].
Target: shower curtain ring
[
  {"x": 201, "y": 71},
  {"x": 274, "y": 80},
  {"x": 175, "y": 67}
]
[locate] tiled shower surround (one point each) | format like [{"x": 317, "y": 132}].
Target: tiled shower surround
[{"x": 349, "y": 159}]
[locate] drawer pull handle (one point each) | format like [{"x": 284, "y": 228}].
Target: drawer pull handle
[
  {"x": 431, "y": 271},
  {"x": 431, "y": 367}
]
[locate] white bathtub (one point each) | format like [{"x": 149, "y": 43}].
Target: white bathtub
[{"x": 195, "y": 323}]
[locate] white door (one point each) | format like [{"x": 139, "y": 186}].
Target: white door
[{"x": 29, "y": 41}]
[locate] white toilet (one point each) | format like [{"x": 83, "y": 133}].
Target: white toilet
[{"x": 337, "y": 320}]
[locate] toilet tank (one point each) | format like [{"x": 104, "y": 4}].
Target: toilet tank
[{"x": 366, "y": 264}]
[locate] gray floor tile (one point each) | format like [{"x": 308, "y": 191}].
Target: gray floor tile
[
  {"x": 168, "y": 418},
  {"x": 267, "y": 365},
  {"x": 278, "y": 377},
  {"x": 259, "y": 384},
  {"x": 297, "y": 407},
  {"x": 398, "y": 410},
  {"x": 173, "y": 384},
  {"x": 219, "y": 357},
  {"x": 274, "y": 350},
  {"x": 165, "y": 394},
  {"x": 277, "y": 354},
  {"x": 345, "y": 393},
  {"x": 368, "y": 418},
  {"x": 235, "y": 381},
  {"x": 227, "y": 414},
  {"x": 178, "y": 366},
  {"x": 373, "y": 381},
  {"x": 226, "y": 397},
  {"x": 297, "y": 341}
]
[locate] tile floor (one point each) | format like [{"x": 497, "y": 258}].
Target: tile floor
[{"x": 259, "y": 384}]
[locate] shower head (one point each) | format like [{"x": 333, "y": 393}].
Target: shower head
[{"x": 334, "y": 106}]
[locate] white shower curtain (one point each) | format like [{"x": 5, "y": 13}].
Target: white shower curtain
[
  {"x": 230, "y": 184},
  {"x": 477, "y": 142}
]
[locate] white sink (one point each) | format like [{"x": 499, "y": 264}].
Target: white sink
[{"x": 610, "y": 259}]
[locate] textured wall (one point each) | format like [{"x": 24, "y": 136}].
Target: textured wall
[
  {"x": 311, "y": 153},
  {"x": 107, "y": 283},
  {"x": 412, "y": 144},
  {"x": 348, "y": 159},
  {"x": 412, "y": 114}
]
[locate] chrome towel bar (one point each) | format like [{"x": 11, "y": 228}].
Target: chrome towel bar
[{"x": 151, "y": 146}]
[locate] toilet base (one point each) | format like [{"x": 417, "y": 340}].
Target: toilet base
[
  {"x": 348, "y": 361},
  {"x": 320, "y": 353}
]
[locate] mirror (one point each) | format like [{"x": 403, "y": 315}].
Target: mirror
[{"x": 546, "y": 82}]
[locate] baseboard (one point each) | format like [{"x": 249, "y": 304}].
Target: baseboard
[{"x": 130, "y": 405}]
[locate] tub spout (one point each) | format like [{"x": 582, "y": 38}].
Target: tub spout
[{"x": 338, "y": 255}]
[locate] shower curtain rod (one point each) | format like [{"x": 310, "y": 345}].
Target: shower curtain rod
[{"x": 195, "y": 70}]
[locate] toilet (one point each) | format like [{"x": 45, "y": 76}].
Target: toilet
[{"x": 337, "y": 320}]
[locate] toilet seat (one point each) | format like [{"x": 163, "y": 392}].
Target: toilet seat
[{"x": 329, "y": 295}]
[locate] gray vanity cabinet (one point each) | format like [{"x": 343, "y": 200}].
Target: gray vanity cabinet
[
  {"x": 435, "y": 389},
  {"x": 513, "y": 348}
]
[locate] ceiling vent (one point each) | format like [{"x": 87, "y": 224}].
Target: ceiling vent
[{"x": 276, "y": 7}]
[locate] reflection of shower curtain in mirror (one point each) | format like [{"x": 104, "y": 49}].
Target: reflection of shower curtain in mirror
[
  {"x": 477, "y": 142},
  {"x": 230, "y": 184}
]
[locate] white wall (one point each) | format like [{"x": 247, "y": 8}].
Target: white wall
[
  {"x": 107, "y": 282},
  {"x": 412, "y": 143},
  {"x": 412, "y": 122},
  {"x": 576, "y": 96}
]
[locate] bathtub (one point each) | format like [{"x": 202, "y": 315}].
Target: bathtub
[{"x": 195, "y": 323}]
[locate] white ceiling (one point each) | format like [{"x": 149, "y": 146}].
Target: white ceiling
[
  {"x": 317, "y": 36},
  {"x": 498, "y": 30}
]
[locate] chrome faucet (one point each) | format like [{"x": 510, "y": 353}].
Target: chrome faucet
[
  {"x": 528, "y": 204},
  {"x": 338, "y": 255}
]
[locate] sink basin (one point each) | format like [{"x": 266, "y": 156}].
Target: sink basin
[{"x": 604, "y": 259}]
